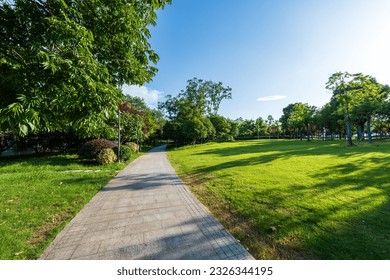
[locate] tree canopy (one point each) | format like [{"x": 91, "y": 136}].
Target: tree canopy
[
  {"x": 358, "y": 98},
  {"x": 61, "y": 61},
  {"x": 192, "y": 113}
]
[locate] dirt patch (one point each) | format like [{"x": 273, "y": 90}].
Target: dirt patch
[{"x": 45, "y": 232}]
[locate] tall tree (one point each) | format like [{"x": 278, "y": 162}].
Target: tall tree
[
  {"x": 328, "y": 119},
  {"x": 261, "y": 127},
  {"x": 189, "y": 110},
  {"x": 359, "y": 97},
  {"x": 61, "y": 61},
  {"x": 368, "y": 99},
  {"x": 272, "y": 126},
  {"x": 338, "y": 84},
  {"x": 247, "y": 128},
  {"x": 302, "y": 116},
  {"x": 222, "y": 127},
  {"x": 284, "y": 120}
]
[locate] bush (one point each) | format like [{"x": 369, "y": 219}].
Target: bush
[
  {"x": 90, "y": 149},
  {"x": 106, "y": 156},
  {"x": 125, "y": 152},
  {"x": 133, "y": 146}
]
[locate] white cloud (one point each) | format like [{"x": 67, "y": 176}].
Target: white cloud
[
  {"x": 271, "y": 98},
  {"x": 151, "y": 96}
]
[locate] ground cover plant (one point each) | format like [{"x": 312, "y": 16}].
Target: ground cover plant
[
  {"x": 290, "y": 199},
  {"x": 40, "y": 194}
]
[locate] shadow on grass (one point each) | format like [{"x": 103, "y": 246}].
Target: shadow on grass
[
  {"x": 282, "y": 148},
  {"x": 344, "y": 216}
]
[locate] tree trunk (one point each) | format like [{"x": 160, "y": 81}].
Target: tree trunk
[
  {"x": 308, "y": 132},
  {"x": 360, "y": 132},
  {"x": 369, "y": 136},
  {"x": 349, "y": 133}
]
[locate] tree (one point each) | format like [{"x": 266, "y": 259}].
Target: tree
[
  {"x": 328, "y": 119},
  {"x": 302, "y": 116},
  {"x": 284, "y": 120},
  {"x": 338, "y": 83},
  {"x": 61, "y": 61},
  {"x": 189, "y": 111},
  {"x": 368, "y": 99},
  {"x": 222, "y": 127},
  {"x": 381, "y": 119},
  {"x": 261, "y": 127},
  {"x": 359, "y": 97},
  {"x": 247, "y": 128},
  {"x": 272, "y": 126},
  {"x": 216, "y": 93}
]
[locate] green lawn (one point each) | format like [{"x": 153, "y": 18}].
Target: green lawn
[
  {"x": 295, "y": 199},
  {"x": 40, "y": 194}
]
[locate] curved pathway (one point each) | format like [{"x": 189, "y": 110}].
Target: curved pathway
[{"x": 145, "y": 212}]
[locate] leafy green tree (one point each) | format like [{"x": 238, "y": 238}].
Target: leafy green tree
[
  {"x": 234, "y": 129},
  {"x": 381, "y": 119},
  {"x": 359, "y": 97},
  {"x": 272, "y": 126},
  {"x": 188, "y": 112},
  {"x": 329, "y": 120},
  {"x": 222, "y": 127},
  {"x": 261, "y": 127},
  {"x": 302, "y": 116},
  {"x": 216, "y": 93},
  {"x": 247, "y": 128},
  {"x": 367, "y": 101},
  {"x": 286, "y": 128},
  {"x": 61, "y": 61},
  {"x": 339, "y": 85}
]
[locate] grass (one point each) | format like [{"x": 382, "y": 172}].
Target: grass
[
  {"x": 40, "y": 194},
  {"x": 295, "y": 199}
]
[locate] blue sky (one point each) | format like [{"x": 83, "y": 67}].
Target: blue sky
[{"x": 270, "y": 52}]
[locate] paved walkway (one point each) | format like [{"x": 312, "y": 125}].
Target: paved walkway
[{"x": 145, "y": 212}]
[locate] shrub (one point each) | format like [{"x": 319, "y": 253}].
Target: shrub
[
  {"x": 125, "y": 152},
  {"x": 90, "y": 149},
  {"x": 106, "y": 156},
  {"x": 134, "y": 147}
]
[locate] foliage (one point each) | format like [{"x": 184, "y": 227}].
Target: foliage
[
  {"x": 142, "y": 124},
  {"x": 246, "y": 128},
  {"x": 329, "y": 120},
  {"x": 133, "y": 146},
  {"x": 285, "y": 125},
  {"x": 320, "y": 196},
  {"x": 191, "y": 111},
  {"x": 5, "y": 141},
  {"x": 106, "y": 156},
  {"x": 250, "y": 129},
  {"x": 357, "y": 101},
  {"x": 91, "y": 149},
  {"x": 302, "y": 116},
  {"x": 272, "y": 126},
  {"x": 61, "y": 61},
  {"x": 222, "y": 127},
  {"x": 125, "y": 153},
  {"x": 358, "y": 98}
]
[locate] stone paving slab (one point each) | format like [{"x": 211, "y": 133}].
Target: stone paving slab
[{"x": 145, "y": 212}]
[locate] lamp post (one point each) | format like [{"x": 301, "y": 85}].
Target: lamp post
[{"x": 119, "y": 134}]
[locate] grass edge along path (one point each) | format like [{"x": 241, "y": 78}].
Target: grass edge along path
[
  {"x": 40, "y": 194},
  {"x": 293, "y": 199}
]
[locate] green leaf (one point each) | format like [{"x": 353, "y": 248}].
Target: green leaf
[{"x": 23, "y": 129}]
